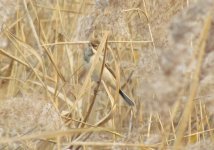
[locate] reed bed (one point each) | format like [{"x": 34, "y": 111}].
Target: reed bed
[{"x": 161, "y": 51}]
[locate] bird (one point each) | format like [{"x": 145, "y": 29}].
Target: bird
[{"x": 108, "y": 75}]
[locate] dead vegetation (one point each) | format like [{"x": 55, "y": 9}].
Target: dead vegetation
[{"x": 162, "y": 53}]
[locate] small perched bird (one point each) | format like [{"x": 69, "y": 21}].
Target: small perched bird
[{"x": 108, "y": 75}]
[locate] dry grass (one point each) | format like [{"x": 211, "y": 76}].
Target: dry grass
[{"x": 162, "y": 53}]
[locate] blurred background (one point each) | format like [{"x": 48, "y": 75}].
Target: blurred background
[{"x": 161, "y": 50}]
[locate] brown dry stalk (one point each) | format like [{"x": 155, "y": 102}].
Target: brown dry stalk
[
  {"x": 93, "y": 65},
  {"x": 51, "y": 134},
  {"x": 102, "y": 46},
  {"x": 86, "y": 42},
  {"x": 195, "y": 83},
  {"x": 13, "y": 57}
]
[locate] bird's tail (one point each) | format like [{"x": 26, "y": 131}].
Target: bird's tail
[{"x": 126, "y": 98}]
